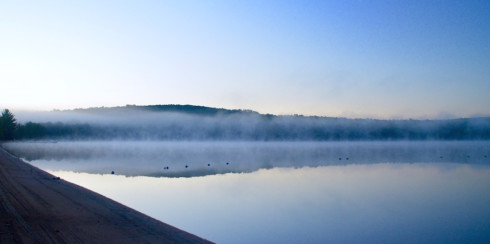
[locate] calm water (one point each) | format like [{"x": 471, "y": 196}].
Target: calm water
[{"x": 289, "y": 192}]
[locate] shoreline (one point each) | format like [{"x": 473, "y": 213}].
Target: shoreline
[{"x": 37, "y": 207}]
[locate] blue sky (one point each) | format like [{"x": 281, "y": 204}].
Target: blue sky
[{"x": 383, "y": 59}]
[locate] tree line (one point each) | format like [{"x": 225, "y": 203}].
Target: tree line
[
  {"x": 257, "y": 128},
  {"x": 11, "y": 130}
]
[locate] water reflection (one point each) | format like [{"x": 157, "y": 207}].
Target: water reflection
[
  {"x": 289, "y": 192},
  {"x": 353, "y": 203},
  {"x": 187, "y": 159}
]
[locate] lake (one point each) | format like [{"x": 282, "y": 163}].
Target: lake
[{"x": 288, "y": 192}]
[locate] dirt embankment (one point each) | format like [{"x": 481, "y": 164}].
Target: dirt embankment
[{"x": 35, "y": 207}]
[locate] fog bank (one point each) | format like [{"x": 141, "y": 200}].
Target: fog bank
[{"x": 186, "y": 122}]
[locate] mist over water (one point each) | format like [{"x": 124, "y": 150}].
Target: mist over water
[
  {"x": 198, "y": 123},
  {"x": 186, "y": 159}
]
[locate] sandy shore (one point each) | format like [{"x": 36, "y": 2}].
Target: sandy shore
[{"x": 36, "y": 208}]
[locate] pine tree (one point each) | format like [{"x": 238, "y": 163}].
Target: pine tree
[{"x": 7, "y": 125}]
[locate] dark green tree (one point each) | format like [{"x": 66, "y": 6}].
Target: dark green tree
[
  {"x": 7, "y": 125},
  {"x": 1, "y": 129}
]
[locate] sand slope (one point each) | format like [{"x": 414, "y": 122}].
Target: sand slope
[{"x": 35, "y": 208}]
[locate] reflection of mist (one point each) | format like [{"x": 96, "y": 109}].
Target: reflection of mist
[
  {"x": 375, "y": 203},
  {"x": 169, "y": 159}
]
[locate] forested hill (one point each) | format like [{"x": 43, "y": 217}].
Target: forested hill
[
  {"x": 173, "y": 108},
  {"x": 188, "y": 122}
]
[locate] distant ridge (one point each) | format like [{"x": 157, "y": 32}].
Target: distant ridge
[
  {"x": 212, "y": 111},
  {"x": 188, "y": 109}
]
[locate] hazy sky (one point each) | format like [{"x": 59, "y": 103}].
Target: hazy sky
[{"x": 337, "y": 58}]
